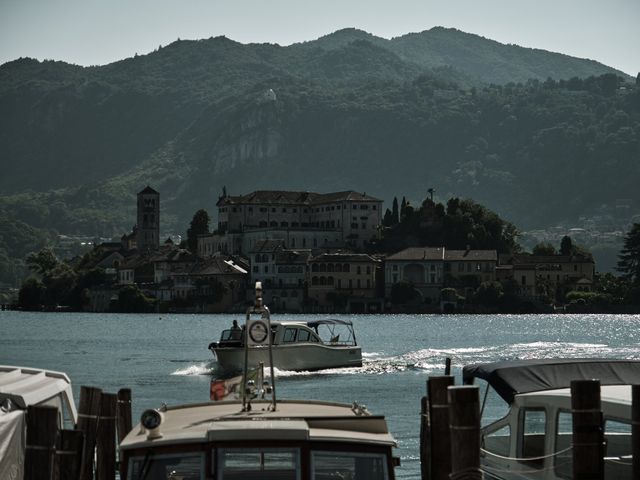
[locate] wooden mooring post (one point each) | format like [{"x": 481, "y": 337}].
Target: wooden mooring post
[
  {"x": 42, "y": 433},
  {"x": 635, "y": 430},
  {"x": 588, "y": 435},
  {"x": 106, "y": 438},
  {"x": 439, "y": 428},
  {"x": 69, "y": 455},
  {"x": 425, "y": 454},
  {"x": 464, "y": 418},
  {"x": 88, "y": 413}
]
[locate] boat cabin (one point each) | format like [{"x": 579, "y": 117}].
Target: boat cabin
[
  {"x": 526, "y": 415},
  {"x": 333, "y": 332},
  {"x": 300, "y": 440}
]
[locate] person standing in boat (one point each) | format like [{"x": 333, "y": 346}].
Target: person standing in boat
[{"x": 236, "y": 331}]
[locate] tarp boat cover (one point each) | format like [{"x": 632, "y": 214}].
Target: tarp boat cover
[
  {"x": 509, "y": 378},
  {"x": 19, "y": 388}
]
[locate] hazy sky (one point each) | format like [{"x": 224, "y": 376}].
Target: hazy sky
[{"x": 93, "y": 32}]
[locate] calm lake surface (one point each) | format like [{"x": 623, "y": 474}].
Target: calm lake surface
[{"x": 165, "y": 358}]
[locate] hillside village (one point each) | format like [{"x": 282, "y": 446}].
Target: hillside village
[{"x": 311, "y": 253}]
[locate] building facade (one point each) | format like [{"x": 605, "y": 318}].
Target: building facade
[{"x": 347, "y": 218}]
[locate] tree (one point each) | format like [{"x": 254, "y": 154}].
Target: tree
[
  {"x": 403, "y": 292},
  {"x": 566, "y": 246},
  {"x": 403, "y": 208},
  {"x": 489, "y": 294},
  {"x": 43, "y": 262},
  {"x": 395, "y": 214},
  {"x": 544, "y": 248},
  {"x": 199, "y": 226},
  {"x": 31, "y": 294},
  {"x": 629, "y": 258}
]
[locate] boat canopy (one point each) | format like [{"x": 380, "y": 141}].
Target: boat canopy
[
  {"x": 510, "y": 378},
  {"x": 315, "y": 323}
]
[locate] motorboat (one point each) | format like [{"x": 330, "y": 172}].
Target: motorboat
[
  {"x": 527, "y": 421},
  {"x": 21, "y": 388},
  {"x": 296, "y": 346},
  {"x": 256, "y": 436}
]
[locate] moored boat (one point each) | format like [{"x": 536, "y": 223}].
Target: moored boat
[{"x": 532, "y": 439}]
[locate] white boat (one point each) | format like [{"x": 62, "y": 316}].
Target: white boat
[
  {"x": 20, "y": 388},
  {"x": 531, "y": 437},
  {"x": 296, "y": 346},
  {"x": 258, "y": 437}
]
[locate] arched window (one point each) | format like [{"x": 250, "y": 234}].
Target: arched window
[
  {"x": 323, "y": 281},
  {"x": 274, "y": 224},
  {"x": 338, "y": 267},
  {"x": 345, "y": 267},
  {"x": 314, "y": 280},
  {"x": 330, "y": 281},
  {"x": 330, "y": 267},
  {"x": 314, "y": 267},
  {"x": 323, "y": 267}
]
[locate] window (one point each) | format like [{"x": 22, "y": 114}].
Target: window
[
  {"x": 289, "y": 335},
  {"x": 303, "y": 335},
  {"x": 368, "y": 269},
  {"x": 533, "y": 434},
  {"x": 499, "y": 441},
  {"x": 325, "y": 464},
  {"x": 460, "y": 267},
  {"x": 273, "y": 209},
  {"x": 255, "y": 463},
  {"x": 564, "y": 432},
  {"x": 359, "y": 271},
  {"x": 284, "y": 210}
]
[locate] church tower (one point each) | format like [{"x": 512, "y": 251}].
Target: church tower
[{"x": 148, "y": 232}]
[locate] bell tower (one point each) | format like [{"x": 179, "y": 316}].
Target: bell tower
[{"x": 148, "y": 233}]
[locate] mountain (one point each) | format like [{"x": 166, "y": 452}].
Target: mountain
[{"x": 537, "y": 136}]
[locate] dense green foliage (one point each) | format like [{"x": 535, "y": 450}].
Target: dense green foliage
[
  {"x": 199, "y": 226},
  {"x": 629, "y": 263},
  {"x": 441, "y": 106},
  {"x": 462, "y": 224}
]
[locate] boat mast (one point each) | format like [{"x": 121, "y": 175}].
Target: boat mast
[{"x": 265, "y": 316}]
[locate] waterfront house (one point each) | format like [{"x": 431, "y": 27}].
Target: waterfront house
[
  {"x": 344, "y": 282},
  {"x": 421, "y": 267}
]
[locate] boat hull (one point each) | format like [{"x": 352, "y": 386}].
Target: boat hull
[{"x": 293, "y": 357}]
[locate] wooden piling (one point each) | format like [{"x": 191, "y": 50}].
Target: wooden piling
[
  {"x": 464, "y": 418},
  {"x": 124, "y": 419},
  {"x": 106, "y": 438},
  {"x": 447, "y": 366},
  {"x": 440, "y": 436},
  {"x": 635, "y": 430},
  {"x": 88, "y": 413},
  {"x": 124, "y": 413},
  {"x": 42, "y": 433},
  {"x": 425, "y": 457},
  {"x": 588, "y": 436},
  {"x": 69, "y": 455}
]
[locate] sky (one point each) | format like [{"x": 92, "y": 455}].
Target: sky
[{"x": 96, "y": 32}]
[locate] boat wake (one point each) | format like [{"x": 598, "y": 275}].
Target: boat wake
[
  {"x": 432, "y": 360},
  {"x": 203, "y": 368}
]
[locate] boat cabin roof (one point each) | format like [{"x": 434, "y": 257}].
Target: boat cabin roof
[
  {"x": 615, "y": 400},
  {"x": 293, "y": 420},
  {"x": 34, "y": 386},
  {"x": 510, "y": 378},
  {"x": 313, "y": 323}
]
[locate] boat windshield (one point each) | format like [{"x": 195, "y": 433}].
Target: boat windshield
[
  {"x": 259, "y": 463},
  {"x": 185, "y": 466}
]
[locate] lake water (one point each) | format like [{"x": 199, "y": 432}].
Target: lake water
[{"x": 165, "y": 358}]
